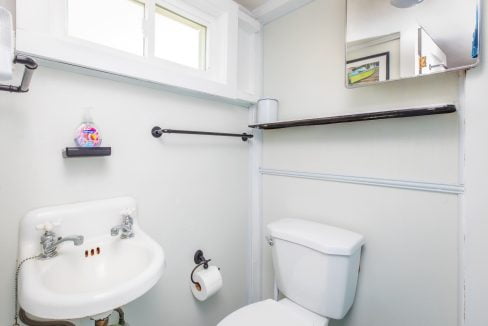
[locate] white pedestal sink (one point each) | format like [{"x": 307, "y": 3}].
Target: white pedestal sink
[{"x": 102, "y": 274}]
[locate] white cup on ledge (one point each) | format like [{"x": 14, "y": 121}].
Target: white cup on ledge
[{"x": 267, "y": 110}]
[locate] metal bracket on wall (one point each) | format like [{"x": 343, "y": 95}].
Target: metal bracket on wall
[{"x": 30, "y": 65}]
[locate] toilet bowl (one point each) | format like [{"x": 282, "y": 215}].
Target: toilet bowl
[
  {"x": 274, "y": 313},
  {"x": 316, "y": 269}
]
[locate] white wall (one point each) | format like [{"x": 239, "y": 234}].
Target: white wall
[
  {"x": 192, "y": 191},
  {"x": 476, "y": 176},
  {"x": 409, "y": 273}
]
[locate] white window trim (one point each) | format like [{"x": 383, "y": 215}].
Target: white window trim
[
  {"x": 197, "y": 15},
  {"x": 252, "y": 71},
  {"x": 195, "y": 20},
  {"x": 41, "y": 33}
]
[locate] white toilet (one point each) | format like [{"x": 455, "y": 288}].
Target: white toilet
[{"x": 316, "y": 269}]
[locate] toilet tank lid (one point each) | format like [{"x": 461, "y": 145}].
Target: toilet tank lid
[{"x": 324, "y": 238}]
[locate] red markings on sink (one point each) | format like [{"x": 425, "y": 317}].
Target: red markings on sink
[{"x": 93, "y": 252}]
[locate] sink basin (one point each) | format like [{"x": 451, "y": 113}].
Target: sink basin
[{"x": 102, "y": 274}]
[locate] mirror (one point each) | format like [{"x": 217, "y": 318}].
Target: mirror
[{"x": 394, "y": 39}]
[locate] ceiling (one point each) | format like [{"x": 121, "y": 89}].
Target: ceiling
[{"x": 251, "y": 4}]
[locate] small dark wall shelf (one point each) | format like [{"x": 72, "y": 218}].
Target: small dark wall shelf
[
  {"x": 87, "y": 151},
  {"x": 392, "y": 114}
]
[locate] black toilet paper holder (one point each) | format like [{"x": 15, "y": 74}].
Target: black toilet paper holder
[{"x": 200, "y": 260}]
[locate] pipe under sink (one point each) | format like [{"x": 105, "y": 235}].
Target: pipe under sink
[{"x": 103, "y": 322}]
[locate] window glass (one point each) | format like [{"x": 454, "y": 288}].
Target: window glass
[
  {"x": 179, "y": 39},
  {"x": 113, "y": 23}
]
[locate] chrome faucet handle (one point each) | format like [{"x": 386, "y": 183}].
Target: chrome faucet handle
[
  {"x": 48, "y": 226},
  {"x": 48, "y": 237},
  {"x": 126, "y": 227},
  {"x": 128, "y": 221},
  {"x": 128, "y": 212}
]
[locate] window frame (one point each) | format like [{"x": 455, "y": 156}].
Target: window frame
[
  {"x": 41, "y": 33},
  {"x": 184, "y": 18},
  {"x": 176, "y": 8},
  {"x": 81, "y": 39}
]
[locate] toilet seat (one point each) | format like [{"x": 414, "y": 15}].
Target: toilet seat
[{"x": 273, "y": 313}]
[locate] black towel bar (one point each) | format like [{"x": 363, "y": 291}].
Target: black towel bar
[{"x": 158, "y": 132}]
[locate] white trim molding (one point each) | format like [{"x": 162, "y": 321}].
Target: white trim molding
[
  {"x": 378, "y": 182},
  {"x": 274, "y": 9},
  {"x": 256, "y": 226},
  {"x": 462, "y": 234}
]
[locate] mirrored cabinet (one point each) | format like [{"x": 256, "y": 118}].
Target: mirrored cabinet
[{"x": 394, "y": 39}]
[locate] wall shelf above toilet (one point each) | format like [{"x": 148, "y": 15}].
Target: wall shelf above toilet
[{"x": 379, "y": 115}]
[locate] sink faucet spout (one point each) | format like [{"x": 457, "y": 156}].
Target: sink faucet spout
[
  {"x": 76, "y": 239},
  {"x": 50, "y": 242}
]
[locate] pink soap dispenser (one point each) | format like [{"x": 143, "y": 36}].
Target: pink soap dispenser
[{"x": 88, "y": 134}]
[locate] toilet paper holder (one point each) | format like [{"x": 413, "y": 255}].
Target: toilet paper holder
[
  {"x": 206, "y": 281},
  {"x": 200, "y": 260}
]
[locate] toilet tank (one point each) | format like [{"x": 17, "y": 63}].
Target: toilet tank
[{"x": 316, "y": 265}]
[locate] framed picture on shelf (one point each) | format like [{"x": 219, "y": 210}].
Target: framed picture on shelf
[{"x": 370, "y": 69}]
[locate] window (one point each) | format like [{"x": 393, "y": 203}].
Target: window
[
  {"x": 184, "y": 45},
  {"x": 179, "y": 39},
  {"x": 119, "y": 24},
  {"x": 114, "y": 23}
]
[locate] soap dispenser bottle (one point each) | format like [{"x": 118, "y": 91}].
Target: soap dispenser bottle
[{"x": 88, "y": 134}]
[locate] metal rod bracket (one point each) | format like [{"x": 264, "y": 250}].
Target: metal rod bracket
[{"x": 29, "y": 66}]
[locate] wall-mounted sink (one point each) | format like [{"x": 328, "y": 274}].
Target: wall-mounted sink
[{"x": 104, "y": 273}]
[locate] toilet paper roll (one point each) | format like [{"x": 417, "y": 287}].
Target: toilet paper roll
[{"x": 209, "y": 282}]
